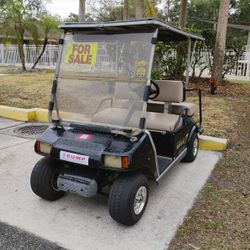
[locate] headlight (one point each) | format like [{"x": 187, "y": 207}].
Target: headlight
[
  {"x": 42, "y": 147},
  {"x": 116, "y": 161}
]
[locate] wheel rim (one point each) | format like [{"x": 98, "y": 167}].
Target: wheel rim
[
  {"x": 140, "y": 200},
  {"x": 195, "y": 147},
  {"x": 54, "y": 181}
]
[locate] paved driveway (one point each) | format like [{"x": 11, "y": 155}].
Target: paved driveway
[{"x": 78, "y": 223}]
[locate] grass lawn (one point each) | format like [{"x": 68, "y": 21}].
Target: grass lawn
[
  {"x": 27, "y": 90},
  {"x": 247, "y": 83},
  {"x": 220, "y": 217}
]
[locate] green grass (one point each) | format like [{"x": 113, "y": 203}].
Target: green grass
[
  {"x": 220, "y": 216},
  {"x": 242, "y": 82}
]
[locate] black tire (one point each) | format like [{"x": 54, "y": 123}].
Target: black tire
[
  {"x": 191, "y": 151},
  {"x": 43, "y": 179},
  {"x": 122, "y": 198}
]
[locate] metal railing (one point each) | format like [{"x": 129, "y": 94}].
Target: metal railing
[{"x": 9, "y": 55}]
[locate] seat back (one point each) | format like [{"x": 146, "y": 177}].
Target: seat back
[{"x": 170, "y": 91}]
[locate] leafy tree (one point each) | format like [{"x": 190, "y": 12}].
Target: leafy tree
[
  {"x": 75, "y": 18},
  {"x": 150, "y": 8},
  {"x": 47, "y": 24},
  {"x": 2, "y": 2},
  {"x": 72, "y": 18},
  {"x": 106, "y": 10},
  {"x": 18, "y": 17}
]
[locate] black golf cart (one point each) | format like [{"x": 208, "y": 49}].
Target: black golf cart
[{"x": 113, "y": 127}]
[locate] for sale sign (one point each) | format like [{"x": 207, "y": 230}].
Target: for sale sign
[{"x": 81, "y": 54}]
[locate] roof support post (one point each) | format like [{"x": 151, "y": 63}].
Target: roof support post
[{"x": 188, "y": 63}]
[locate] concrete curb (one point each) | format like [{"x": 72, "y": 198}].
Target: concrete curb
[
  {"x": 17, "y": 113},
  {"x": 41, "y": 115},
  {"x": 212, "y": 143}
]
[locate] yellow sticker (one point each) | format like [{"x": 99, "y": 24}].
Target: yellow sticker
[
  {"x": 141, "y": 63},
  {"x": 140, "y": 72},
  {"x": 81, "y": 53}
]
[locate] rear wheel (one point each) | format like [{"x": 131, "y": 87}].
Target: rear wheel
[
  {"x": 192, "y": 148},
  {"x": 128, "y": 198},
  {"x": 43, "y": 179}
]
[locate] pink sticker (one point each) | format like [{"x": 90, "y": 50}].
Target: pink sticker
[{"x": 84, "y": 137}]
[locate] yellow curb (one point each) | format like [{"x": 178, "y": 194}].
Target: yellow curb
[
  {"x": 17, "y": 113},
  {"x": 212, "y": 143},
  {"x": 41, "y": 115}
]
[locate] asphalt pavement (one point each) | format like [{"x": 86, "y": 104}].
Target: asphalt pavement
[
  {"x": 79, "y": 223},
  {"x": 12, "y": 238}
]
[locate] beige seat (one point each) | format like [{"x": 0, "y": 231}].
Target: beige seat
[
  {"x": 163, "y": 121},
  {"x": 172, "y": 92},
  {"x": 116, "y": 116},
  {"x": 189, "y": 107}
]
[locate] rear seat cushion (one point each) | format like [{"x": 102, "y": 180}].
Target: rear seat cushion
[
  {"x": 191, "y": 108},
  {"x": 163, "y": 121}
]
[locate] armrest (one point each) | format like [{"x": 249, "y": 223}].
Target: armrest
[
  {"x": 178, "y": 110},
  {"x": 200, "y": 102}
]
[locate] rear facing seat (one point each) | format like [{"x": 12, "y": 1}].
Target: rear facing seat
[
  {"x": 171, "y": 92},
  {"x": 166, "y": 121}
]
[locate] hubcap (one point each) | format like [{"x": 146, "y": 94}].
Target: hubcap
[
  {"x": 195, "y": 147},
  {"x": 140, "y": 199}
]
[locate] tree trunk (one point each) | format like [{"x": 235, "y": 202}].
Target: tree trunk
[
  {"x": 139, "y": 11},
  {"x": 220, "y": 44},
  {"x": 22, "y": 56},
  {"x": 183, "y": 14},
  {"x": 45, "y": 42},
  {"x": 125, "y": 9},
  {"x": 20, "y": 44},
  {"x": 81, "y": 11}
]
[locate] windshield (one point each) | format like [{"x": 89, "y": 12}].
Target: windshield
[{"x": 102, "y": 78}]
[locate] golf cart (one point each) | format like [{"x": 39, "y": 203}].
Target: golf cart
[{"x": 112, "y": 127}]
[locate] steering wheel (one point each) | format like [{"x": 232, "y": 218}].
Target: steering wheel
[{"x": 154, "y": 90}]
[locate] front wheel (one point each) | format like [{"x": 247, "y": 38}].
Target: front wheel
[
  {"x": 192, "y": 148},
  {"x": 43, "y": 179},
  {"x": 128, "y": 198}
]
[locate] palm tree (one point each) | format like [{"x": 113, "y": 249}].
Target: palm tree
[
  {"x": 126, "y": 9},
  {"x": 47, "y": 23},
  {"x": 82, "y": 10},
  {"x": 16, "y": 20},
  {"x": 219, "y": 47},
  {"x": 139, "y": 9},
  {"x": 183, "y": 14}
]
